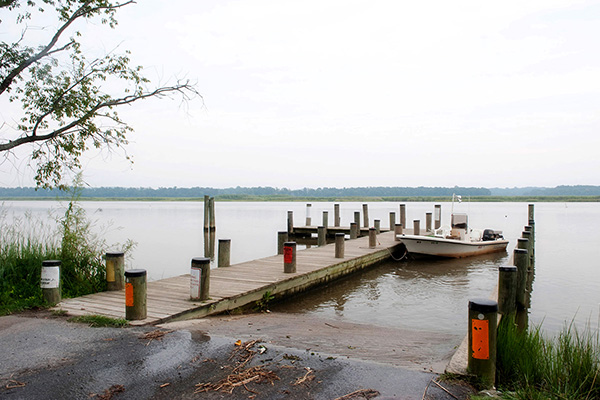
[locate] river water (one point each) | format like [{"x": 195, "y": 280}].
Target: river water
[{"x": 420, "y": 294}]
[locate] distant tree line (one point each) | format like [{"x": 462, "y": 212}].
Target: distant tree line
[
  {"x": 374, "y": 191},
  {"x": 577, "y": 190},
  {"x": 195, "y": 192}
]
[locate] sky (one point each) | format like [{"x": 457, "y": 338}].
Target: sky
[{"x": 351, "y": 93}]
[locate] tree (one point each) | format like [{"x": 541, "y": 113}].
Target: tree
[{"x": 67, "y": 101}]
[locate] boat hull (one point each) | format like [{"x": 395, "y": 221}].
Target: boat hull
[{"x": 440, "y": 247}]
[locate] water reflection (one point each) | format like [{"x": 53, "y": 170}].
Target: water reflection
[{"x": 427, "y": 294}]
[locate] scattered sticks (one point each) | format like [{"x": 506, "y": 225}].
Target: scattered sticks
[{"x": 360, "y": 394}]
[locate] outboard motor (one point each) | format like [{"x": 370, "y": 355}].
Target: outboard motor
[{"x": 490, "y": 234}]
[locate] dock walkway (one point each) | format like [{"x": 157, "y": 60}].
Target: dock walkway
[{"x": 240, "y": 284}]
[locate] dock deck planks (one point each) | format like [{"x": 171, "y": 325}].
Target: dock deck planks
[{"x": 240, "y": 284}]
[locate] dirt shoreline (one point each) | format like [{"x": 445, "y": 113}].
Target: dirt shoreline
[{"x": 292, "y": 356}]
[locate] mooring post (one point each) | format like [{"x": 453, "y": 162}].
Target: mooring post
[
  {"x": 336, "y": 215},
  {"x": 507, "y": 289},
  {"x": 521, "y": 261},
  {"x": 530, "y": 212},
  {"x": 437, "y": 216},
  {"x": 365, "y": 215},
  {"x": 416, "y": 227},
  {"x": 115, "y": 270},
  {"x": 206, "y": 213},
  {"x": 397, "y": 231},
  {"x": 353, "y": 230},
  {"x": 135, "y": 294},
  {"x": 289, "y": 257},
  {"x": 403, "y": 214},
  {"x": 372, "y": 238},
  {"x": 200, "y": 278},
  {"x": 483, "y": 326},
  {"x": 377, "y": 224},
  {"x": 282, "y": 237},
  {"x": 392, "y": 220},
  {"x": 224, "y": 253},
  {"x": 428, "y": 218},
  {"x": 212, "y": 214},
  {"x": 50, "y": 281},
  {"x": 357, "y": 221},
  {"x": 527, "y": 234},
  {"x": 308, "y": 218},
  {"x": 321, "y": 236},
  {"x": 339, "y": 245},
  {"x": 290, "y": 222},
  {"x": 326, "y": 219}
]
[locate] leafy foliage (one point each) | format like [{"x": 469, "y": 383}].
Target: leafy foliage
[{"x": 67, "y": 98}]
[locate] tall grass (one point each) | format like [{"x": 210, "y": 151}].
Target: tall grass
[
  {"x": 25, "y": 242},
  {"x": 535, "y": 367}
]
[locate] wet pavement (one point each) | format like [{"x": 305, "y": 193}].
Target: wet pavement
[{"x": 46, "y": 357}]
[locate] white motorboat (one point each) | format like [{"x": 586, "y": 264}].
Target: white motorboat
[{"x": 456, "y": 242}]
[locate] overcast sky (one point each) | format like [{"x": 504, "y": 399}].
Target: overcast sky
[{"x": 359, "y": 93}]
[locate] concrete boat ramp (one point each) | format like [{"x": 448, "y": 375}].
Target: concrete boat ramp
[{"x": 240, "y": 284}]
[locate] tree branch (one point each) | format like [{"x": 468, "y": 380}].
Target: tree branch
[
  {"x": 47, "y": 50},
  {"x": 160, "y": 92}
]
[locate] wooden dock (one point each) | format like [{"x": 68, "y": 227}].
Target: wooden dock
[{"x": 240, "y": 284}]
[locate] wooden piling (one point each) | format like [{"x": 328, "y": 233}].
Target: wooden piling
[
  {"x": 428, "y": 218},
  {"x": 282, "y": 237},
  {"x": 483, "y": 326},
  {"x": 353, "y": 230},
  {"x": 290, "y": 222},
  {"x": 377, "y": 224},
  {"x": 206, "y": 213},
  {"x": 289, "y": 257},
  {"x": 528, "y": 234},
  {"x": 200, "y": 279},
  {"x": 365, "y": 215},
  {"x": 507, "y": 289},
  {"x": 372, "y": 238},
  {"x": 224, "y": 253},
  {"x": 308, "y": 217},
  {"x": 521, "y": 261},
  {"x": 321, "y": 236},
  {"x": 392, "y": 220},
  {"x": 403, "y": 214},
  {"x": 135, "y": 294},
  {"x": 115, "y": 270},
  {"x": 397, "y": 231},
  {"x": 326, "y": 220},
  {"x": 530, "y": 212},
  {"x": 357, "y": 220},
  {"x": 339, "y": 245},
  {"x": 50, "y": 281},
  {"x": 212, "y": 214},
  {"x": 416, "y": 227},
  {"x": 437, "y": 216},
  {"x": 336, "y": 215}
]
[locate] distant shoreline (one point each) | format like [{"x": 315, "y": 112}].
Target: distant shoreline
[{"x": 252, "y": 198}]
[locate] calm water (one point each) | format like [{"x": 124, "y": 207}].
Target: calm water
[{"x": 430, "y": 294}]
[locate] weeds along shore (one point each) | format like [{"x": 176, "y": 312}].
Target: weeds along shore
[
  {"x": 26, "y": 242},
  {"x": 532, "y": 366}
]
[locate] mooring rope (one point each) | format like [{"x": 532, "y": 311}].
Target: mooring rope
[{"x": 398, "y": 259}]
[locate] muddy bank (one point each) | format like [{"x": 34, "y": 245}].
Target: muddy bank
[
  {"x": 48, "y": 357},
  {"x": 408, "y": 348}
]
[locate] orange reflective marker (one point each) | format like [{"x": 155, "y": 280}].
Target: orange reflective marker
[
  {"x": 481, "y": 341},
  {"x": 129, "y": 295}
]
